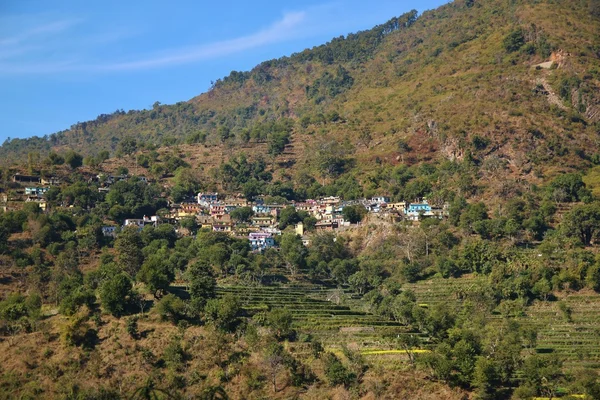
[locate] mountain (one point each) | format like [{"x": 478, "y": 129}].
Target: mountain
[{"x": 509, "y": 85}]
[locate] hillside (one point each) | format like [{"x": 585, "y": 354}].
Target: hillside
[
  {"x": 459, "y": 82},
  {"x": 409, "y": 212}
]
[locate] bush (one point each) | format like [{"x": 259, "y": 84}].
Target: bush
[
  {"x": 223, "y": 313},
  {"x": 170, "y": 308},
  {"x": 336, "y": 372},
  {"x": 280, "y": 320},
  {"x": 514, "y": 41},
  {"x": 132, "y": 327},
  {"x": 77, "y": 332},
  {"x": 114, "y": 294}
]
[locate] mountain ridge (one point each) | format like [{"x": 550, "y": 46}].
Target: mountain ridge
[{"x": 459, "y": 81}]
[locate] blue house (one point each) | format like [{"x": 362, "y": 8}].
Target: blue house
[
  {"x": 415, "y": 211},
  {"x": 35, "y": 191},
  {"x": 260, "y": 241},
  {"x": 261, "y": 209},
  {"x": 418, "y": 208}
]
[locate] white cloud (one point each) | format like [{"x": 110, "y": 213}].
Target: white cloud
[
  {"x": 56, "y": 47},
  {"x": 37, "y": 31},
  {"x": 282, "y": 30},
  {"x": 26, "y": 53}
]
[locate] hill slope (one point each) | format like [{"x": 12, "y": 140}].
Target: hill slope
[{"x": 458, "y": 82}]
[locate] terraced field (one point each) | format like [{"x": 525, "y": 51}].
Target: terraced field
[
  {"x": 577, "y": 339},
  {"x": 334, "y": 325}
]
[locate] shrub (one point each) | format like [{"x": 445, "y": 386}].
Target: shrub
[
  {"x": 514, "y": 41},
  {"x": 336, "y": 372},
  {"x": 170, "y": 308}
]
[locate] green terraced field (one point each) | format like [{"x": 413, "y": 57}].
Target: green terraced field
[
  {"x": 334, "y": 325},
  {"x": 577, "y": 340}
]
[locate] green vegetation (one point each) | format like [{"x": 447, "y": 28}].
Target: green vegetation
[{"x": 499, "y": 300}]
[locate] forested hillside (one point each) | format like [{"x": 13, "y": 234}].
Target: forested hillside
[
  {"x": 456, "y": 82},
  {"x": 409, "y": 212}
]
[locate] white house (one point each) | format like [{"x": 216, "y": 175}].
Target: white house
[
  {"x": 206, "y": 199},
  {"x": 380, "y": 199},
  {"x": 260, "y": 241},
  {"x": 141, "y": 222}
]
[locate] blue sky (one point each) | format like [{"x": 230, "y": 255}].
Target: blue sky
[{"x": 62, "y": 62}]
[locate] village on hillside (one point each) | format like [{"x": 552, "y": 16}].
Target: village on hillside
[{"x": 259, "y": 222}]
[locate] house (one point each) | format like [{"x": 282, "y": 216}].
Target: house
[
  {"x": 50, "y": 181},
  {"x": 110, "y": 179},
  {"x": 326, "y": 225},
  {"x": 310, "y": 206},
  {"x": 26, "y": 178},
  {"x": 221, "y": 227},
  {"x": 141, "y": 222},
  {"x": 237, "y": 201},
  {"x": 272, "y": 231},
  {"x": 222, "y": 218},
  {"x": 265, "y": 221},
  {"x": 261, "y": 209},
  {"x": 40, "y": 202},
  {"x": 35, "y": 191},
  {"x": 305, "y": 241},
  {"x": 261, "y": 241},
  {"x": 416, "y": 211},
  {"x": 330, "y": 200},
  {"x": 380, "y": 199},
  {"x": 217, "y": 210},
  {"x": 400, "y": 206},
  {"x": 190, "y": 208},
  {"x": 206, "y": 199},
  {"x": 299, "y": 228},
  {"x": 418, "y": 208},
  {"x": 109, "y": 231}
]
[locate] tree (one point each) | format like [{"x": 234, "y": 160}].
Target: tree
[
  {"x": 274, "y": 357},
  {"x": 409, "y": 343},
  {"x": 55, "y": 159},
  {"x": 583, "y": 222},
  {"x": 190, "y": 224},
  {"x": 365, "y": 137},
  {"x": 542, "y": 376},
  {"x": 280, "y": 320},
  {"x": 75, "y": 160},
  {"x": 293, "y": 252},
  {"x": 114, "y": 294},
  {"x": 360, "y": 282},
  {"x": 4, "y": 234},
  {"x": 486, "y": 378},
  {"x": 568, "y": 187},
  {"x": 129, "y": 250},
  {"x": 288, "y": 216},
  {"x": 170, "y": 308},
  {"x": 354, "y": 214},
  {"x": 132, "y": 327},
  {"x": 242, "y": 214},
  {"x": 336, "y": 372},
  {"x": 331, "y": 158},
  {"x": 223, "y": 312},
  {"x": 157, "y": 272},
  {"x": 201, "y": 283}
]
